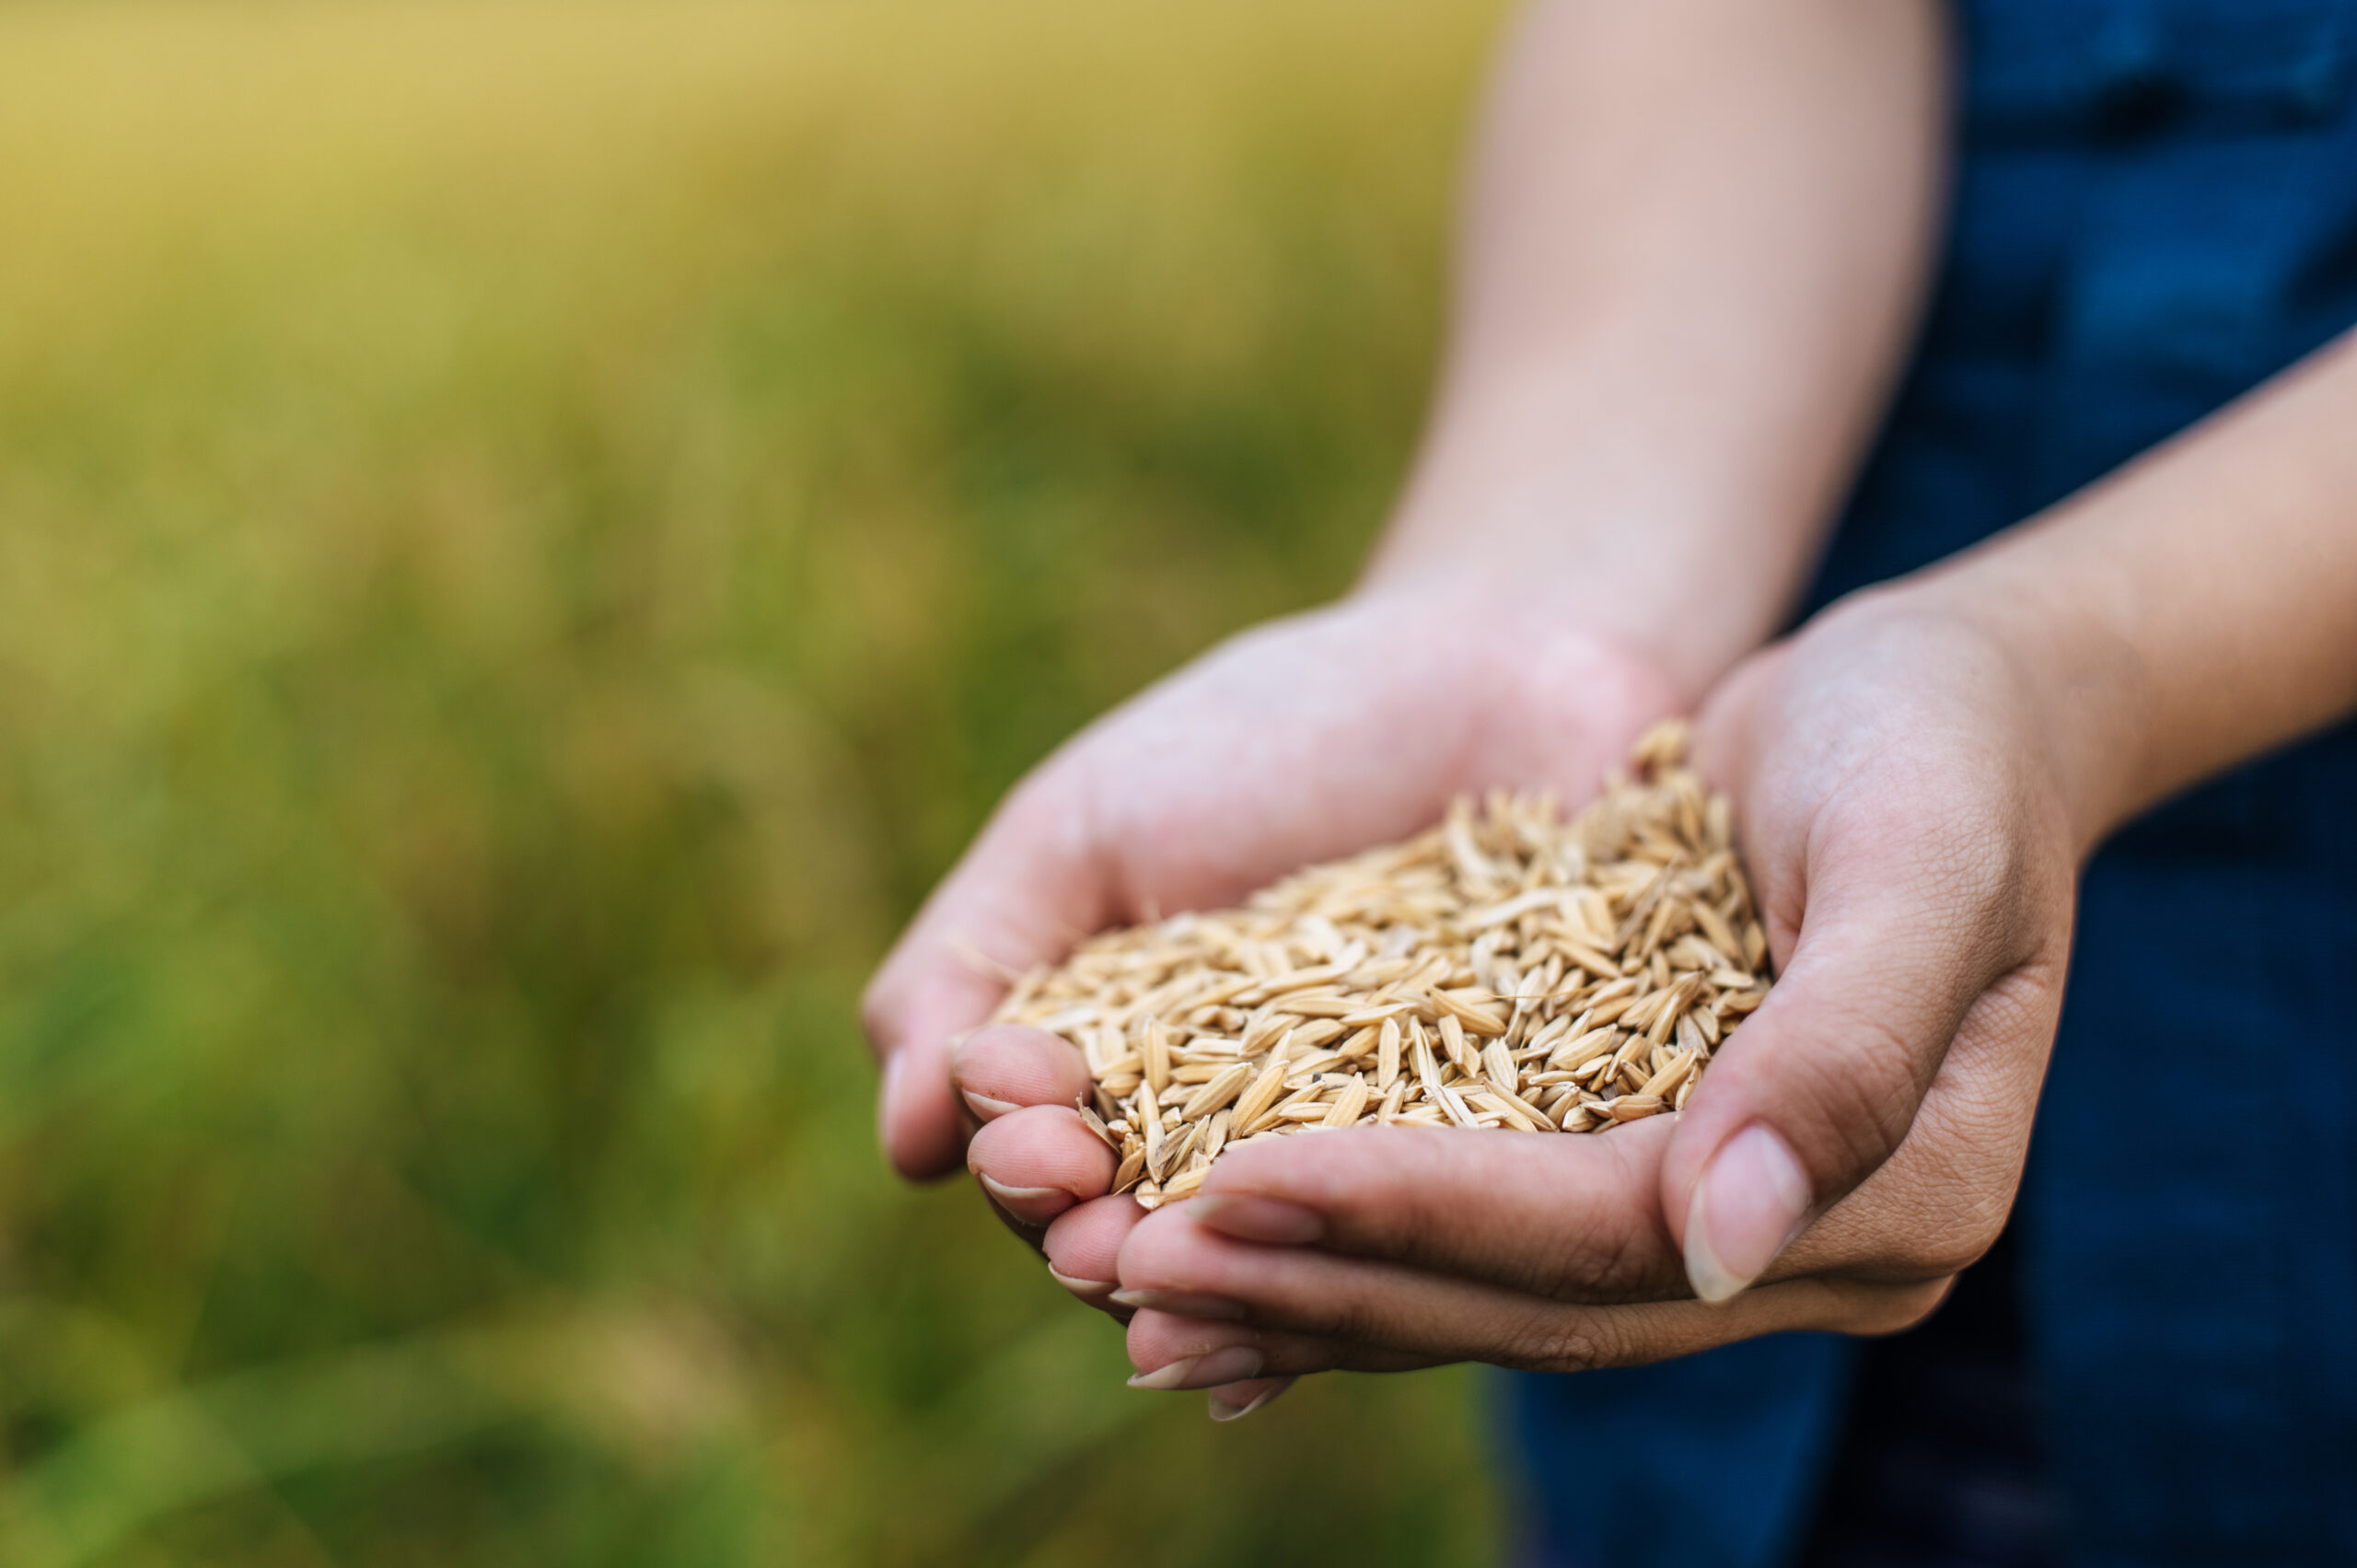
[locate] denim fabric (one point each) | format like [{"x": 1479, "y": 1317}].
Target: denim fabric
[
  {"x": 2155, "y": 209},
  {"x": 1702, "y": 1463}
]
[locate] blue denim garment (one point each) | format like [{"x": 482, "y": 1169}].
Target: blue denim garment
[{"x": 2155, "y": 209}]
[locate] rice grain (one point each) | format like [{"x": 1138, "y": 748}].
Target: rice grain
[{"x": 1506, "y": 969}]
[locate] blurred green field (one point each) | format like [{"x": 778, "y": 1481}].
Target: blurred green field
[{"x": 529, "y": 534}]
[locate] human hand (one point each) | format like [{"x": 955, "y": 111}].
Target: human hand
[
  {"x": 1291, "y": 743},
  {"x": 1856, "y": 1143}
]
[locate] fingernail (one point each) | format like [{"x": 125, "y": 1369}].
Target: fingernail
[
  {"x": 985, "y": 1107},
  {"x": 1222, "y": 1411},
  {"x": 1179, "y": 1304},
  {"x": 1005, "y": 1194},
  {"x": 1088, "y": 1290},
  {"x": 1229, "y": 1364},
  {"x": 1248, "y": 1218},
  {"x": 1752, "y": 1198}
]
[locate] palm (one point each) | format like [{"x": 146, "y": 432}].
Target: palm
[
  {"x": 1320, "y": 735},
  {"x": 1297, "y": 741}
]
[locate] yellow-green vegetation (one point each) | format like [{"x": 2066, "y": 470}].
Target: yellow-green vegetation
[{"x": 529, "y": 534}]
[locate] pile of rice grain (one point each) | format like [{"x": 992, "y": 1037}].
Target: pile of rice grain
[{"x": 1506, "y": 969}]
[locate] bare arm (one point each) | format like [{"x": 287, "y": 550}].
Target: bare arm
[{"x": 1696, "y": 239}]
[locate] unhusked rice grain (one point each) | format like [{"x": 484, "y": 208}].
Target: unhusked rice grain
[{"x": 1506, "y": 969}]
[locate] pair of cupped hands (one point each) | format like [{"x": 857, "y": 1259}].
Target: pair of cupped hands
[{"x": 1856, "y": 1143}]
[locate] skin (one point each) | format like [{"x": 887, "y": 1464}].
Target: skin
[{"x": 1919, "y": 772}]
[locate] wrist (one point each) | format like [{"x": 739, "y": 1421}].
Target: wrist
[
  {"x": 1656, "y": 594},
  {"x": 2079, "y": 688},
  {"x": 1519, "y": 664},
  {"x": 1536, "y": 619},
  {"x": 1560, "y": 498}
]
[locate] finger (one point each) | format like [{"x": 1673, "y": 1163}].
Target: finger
[
  {"x": 1577, "y": 1218},
  {"x": 1907, "y": 928},
  {"x": 1084, "y": 1245},
  {"x": 1037, "y": 1162},
  {"x": 916, "y": 1118},
  {"x": 1023, "y": 894},
  {"x": 1006, "y": 1066},
  {"x": 1171, "y": 1264},
  {"x": 1812, "y": 1095},
  {"x": 1939, "y": 1202},
  {"x": 1173, "y": 1354},
  {"x": 1234, "y": 1401}
]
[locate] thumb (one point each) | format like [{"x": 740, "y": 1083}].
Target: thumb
[
  {"x": 1903, "y": 932},
  {"x": 1027, "y": 889}
]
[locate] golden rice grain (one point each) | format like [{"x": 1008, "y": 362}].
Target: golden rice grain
[{"x": 1506, "y": 969}]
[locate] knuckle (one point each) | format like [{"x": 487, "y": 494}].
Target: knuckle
[
  {"x": 1301, "y": 1356},
  {"x": 1562, "y": 1342},
  {"x": 1949, "y": 1250},
  {"x": 1865, "y": 1094},
  {"x": 1611, "y": 1264},
  {"x": 1397, "y": 1188},
  {"x": 1351, "y": 1318},
  {"x": 1896, "y": 1309},
  {"x": 1977, "y": 857}
]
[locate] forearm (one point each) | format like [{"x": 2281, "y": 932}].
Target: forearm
[
  {"x": 2194, "y": 610},
  {"x": 1696, "y": 238}
]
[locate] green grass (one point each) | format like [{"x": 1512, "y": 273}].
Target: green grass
[{"x": 529, "y": 534}]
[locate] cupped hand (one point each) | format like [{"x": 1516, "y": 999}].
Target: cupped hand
[
  {"x": 1294, "y": 742},
  {"x": 1855, "y": 1144}
]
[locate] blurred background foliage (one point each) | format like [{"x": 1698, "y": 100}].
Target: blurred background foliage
[{"x": 529, "y": 534}]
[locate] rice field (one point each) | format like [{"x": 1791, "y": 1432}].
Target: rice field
[{"x": 529, "y": 534}]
